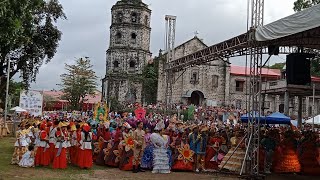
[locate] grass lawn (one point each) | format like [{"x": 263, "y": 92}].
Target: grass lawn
[{"x": 8, "y": 171}]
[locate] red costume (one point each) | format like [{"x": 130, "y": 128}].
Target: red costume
[
  {"x": 213, "y": 155},
  {"x": 43, "y": 154},
  {"x": 60, "y": 158},
  {"x": 85, "y": 150}
]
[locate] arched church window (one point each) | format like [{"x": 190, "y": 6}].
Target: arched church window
[
  {"x": 133, "y": 38},
  {"x": 116, "y": 64},
  {"x": 118, "y": 37},
  {"x": 134, "y": 17},
  {"x": 119, "y": 17}
]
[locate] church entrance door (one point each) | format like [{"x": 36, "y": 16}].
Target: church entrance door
[{"x": 196, "y": 98}]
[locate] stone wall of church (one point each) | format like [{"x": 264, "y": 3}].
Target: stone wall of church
[{"x": 129, "y": 51}]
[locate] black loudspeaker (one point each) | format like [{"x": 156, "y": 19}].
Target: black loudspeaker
[
  {"x": 298, "y": 69},
  {"x": 273, "y": 50}
]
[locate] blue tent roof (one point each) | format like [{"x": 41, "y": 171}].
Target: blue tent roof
[
  {"x": 278, "y": 118},
  {"x": 244, "y": 118}
]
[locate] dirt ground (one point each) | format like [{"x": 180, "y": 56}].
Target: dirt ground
[{"x": 115, "y": 174}]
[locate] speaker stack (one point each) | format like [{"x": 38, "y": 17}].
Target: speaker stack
[{"x": 298, "y": 68}]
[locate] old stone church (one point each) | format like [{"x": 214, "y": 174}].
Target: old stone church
[{"x": 216, "y": 83}]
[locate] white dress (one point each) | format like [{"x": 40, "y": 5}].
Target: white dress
[
  {"x": 160, "y": 156},
  {"x": 27, "y": 160}
]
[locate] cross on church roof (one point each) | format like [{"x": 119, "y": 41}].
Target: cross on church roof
[{"x": 196, "y": 33}]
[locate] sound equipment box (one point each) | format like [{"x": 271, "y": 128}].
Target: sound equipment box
[{"x": 298, "y": 68}]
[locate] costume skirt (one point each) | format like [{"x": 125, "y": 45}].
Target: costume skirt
[
  {"x": 85, "y": 158},
  {"x": 42, "y": 157},
  {"x": 60, "y": 162}
]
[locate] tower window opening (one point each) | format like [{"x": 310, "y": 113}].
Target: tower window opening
[
  {"x": 133, "y": 37},
  {"x": 146, "y": 19},
  {"x": 116, "y": 64},
  {"x": 119, "y": 17},
  {"x": 118, "y": 37},
  {"x": 132, "y": 64},
  {"x": 134, "y": 17}
]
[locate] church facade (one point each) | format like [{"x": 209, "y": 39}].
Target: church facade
[
  {"x": 220, "y": 83},
  {"x": 129, "y": 51}
]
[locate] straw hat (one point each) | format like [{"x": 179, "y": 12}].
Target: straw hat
[
  {"x": 63, "y": 124},
  {"x": 204, "y": 129}
]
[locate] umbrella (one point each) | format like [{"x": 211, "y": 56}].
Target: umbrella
[{"x": 18, "y": 109}]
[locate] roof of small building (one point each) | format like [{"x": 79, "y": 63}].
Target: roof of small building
[
  {"x": 241, "y": 71},
  {"x": 57, "y": 95},
  {"x": 266, "y": 72}
]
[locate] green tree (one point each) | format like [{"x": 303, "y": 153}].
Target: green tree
[
  {"x": 28, "y": 36},
  {"x": 299, "y": 5},
  {"x": 14, "y": 93},
  {"x": 150, "y": 81},
  {"x": 278, "y": 66},
  {"x": 78, "y": 82},
  {"x": 48, "y": 102}
]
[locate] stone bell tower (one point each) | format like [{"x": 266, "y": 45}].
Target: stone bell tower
[{"x": 129, "y": 51}]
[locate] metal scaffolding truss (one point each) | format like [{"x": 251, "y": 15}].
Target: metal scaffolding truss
[
  {"x": 254, "y": 102},
  {"x": 170, "y": 40},
  {"x": 239, "y": 46}
]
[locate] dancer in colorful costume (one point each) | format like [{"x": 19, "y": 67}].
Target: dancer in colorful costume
[
  {"x": 288, "y": 161},
  {"x": 21, "y": 145},
  {"x": 214, "y": 155},
  {"x": 198, "y": 142},
  {"x": 126, "y": 149},
  {"x": 147, "y": 157},
  {"x": 60, "y": 158},
  {"x": 161, "y": 160},
  {"x": 43, "y": 152},
  {"x": 139, "y": 145},
  {"x": 28, "y": 158},
  {"x": 308, "y": 154},
  {"x": 85, "y": 151},
  {"x": 112, "y": 152}
]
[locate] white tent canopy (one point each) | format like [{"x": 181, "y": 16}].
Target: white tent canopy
[
  {"x": 18, "y": 109},
  {"x": 296, "y": 23},
  {"x": 316, "y": 120}
]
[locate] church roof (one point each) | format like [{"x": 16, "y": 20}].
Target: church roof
[{"x": 194, "y": 38}]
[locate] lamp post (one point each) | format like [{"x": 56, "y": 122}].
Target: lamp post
[{"x": 7, "y": 91}]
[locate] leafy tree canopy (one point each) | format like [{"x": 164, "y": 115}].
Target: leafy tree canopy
[
  {"x": 150, "y": 81},
  {"x": 28, "y": 36},
  {"x": 278, "y": 66},
  {"x": 78, "y": 82},
  {"x": 299, "y": 5}
]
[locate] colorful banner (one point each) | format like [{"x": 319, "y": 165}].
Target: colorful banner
[{"x": 31, "y": 101}]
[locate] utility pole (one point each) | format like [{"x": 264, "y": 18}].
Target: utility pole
[{"x": 7, "y": 90}]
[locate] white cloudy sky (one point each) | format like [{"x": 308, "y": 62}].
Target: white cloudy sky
[{"x": 86, "y": 32}]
